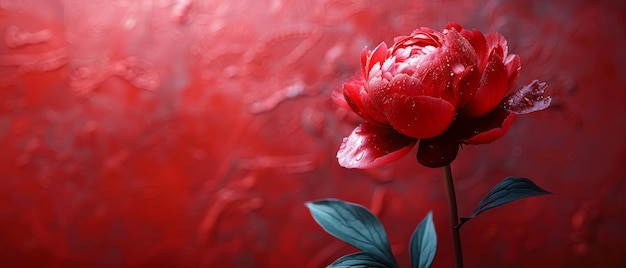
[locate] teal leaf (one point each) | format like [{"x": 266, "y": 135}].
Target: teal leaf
[
  {"x": 353, "y": 224},
  {"x": 510, "y": 189},
  {"x": 423, "y": 243},
  {"x": 359, "y": 260}
]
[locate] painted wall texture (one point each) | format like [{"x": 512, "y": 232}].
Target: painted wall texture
[{"x": 191, "y": 133}]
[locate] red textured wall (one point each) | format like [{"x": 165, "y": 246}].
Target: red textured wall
[{"x": 190, "y": 134}]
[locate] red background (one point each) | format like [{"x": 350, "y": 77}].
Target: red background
[{"x": 190, "y": 134}]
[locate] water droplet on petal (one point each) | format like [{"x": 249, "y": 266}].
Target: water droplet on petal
[
  {"x": 359, "y": 156},
  {"x": 458, "y": 68}
]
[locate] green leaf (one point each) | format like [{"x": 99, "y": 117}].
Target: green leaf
[
  {"x": 510, "y": 189},
  {"x": 423, "y": 243},
  {"x": 353, "y": 224},
  {"x": 359, "y": 260}
]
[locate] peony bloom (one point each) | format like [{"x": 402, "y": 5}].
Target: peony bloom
[{"x": 442, "y": 89}]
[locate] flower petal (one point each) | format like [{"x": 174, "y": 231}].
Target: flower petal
[
  {"x": 513, "y": 67},
  {"x": 436, "y": 69},
  {"x": 419, "y": 117},
  {"x": 528, "y": 99},
  {"x": 477, "y": 39},
  {"x": 493, "y": 85},
  {"x": 405, "y": 85},
  {"x": 466, "y": 83},
  {"x": 364, "y": 53},
  {"x": 437, "y": 152},
  {"x": 370, "y": 146},
  {"x": 339, "y": 99},
  {"x": 454, "y": 25},
  {"x": 378, "y": 55},
  {"x": 411, "y": 113},
  {"x": 359, "y": 100},
  {"x": 497, "y": 43},
  {"x": 481, "y": 130}
]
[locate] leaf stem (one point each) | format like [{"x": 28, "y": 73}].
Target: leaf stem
[{"x": 454, "y": 217}]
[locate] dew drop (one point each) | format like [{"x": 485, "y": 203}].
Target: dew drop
[
  {"x": 458, "y": 68},
  {"x": 359, "y": 156}
]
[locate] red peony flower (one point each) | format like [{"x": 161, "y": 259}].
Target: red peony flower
[{"x": 442, "y": 89}]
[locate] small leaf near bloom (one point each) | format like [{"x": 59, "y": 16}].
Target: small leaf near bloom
[
  {"x": 439, "y": 88},
  {"x": 510, "y": 189}
]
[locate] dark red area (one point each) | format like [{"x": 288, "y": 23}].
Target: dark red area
[{"x": 190, "y": 133}]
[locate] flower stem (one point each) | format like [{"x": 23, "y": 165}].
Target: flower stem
[{"x": 454, "y": 217}]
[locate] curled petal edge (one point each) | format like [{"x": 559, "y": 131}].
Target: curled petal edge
[
  {"x": 371, "y": 146},
  {"x": 513, "y": 68},
  {"x": 528, "y": 99},
  {"x": 377, "y": 55},
  {"x": 481, "y": 130},
  {"x": 359, "y": 101},
  {"x": 492, "y": 88},
  {"x": 494, "y": 133},
  {"x": 339, "y": 99}
]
